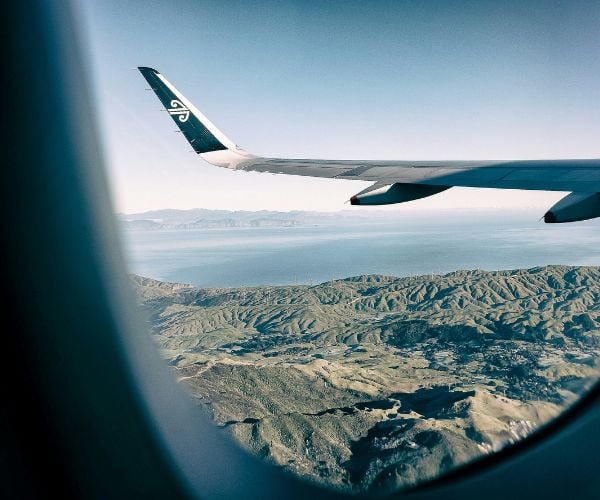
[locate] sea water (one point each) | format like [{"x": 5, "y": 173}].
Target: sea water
[{"x": 414, "y": 244}]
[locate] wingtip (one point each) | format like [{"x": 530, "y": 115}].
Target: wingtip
[{"x": 147, "y": 69}]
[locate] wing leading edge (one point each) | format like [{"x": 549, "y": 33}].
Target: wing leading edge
[{"x": 581, "y": 176}]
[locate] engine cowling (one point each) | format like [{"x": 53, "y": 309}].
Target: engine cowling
[
  {"x": 574, "y": 207},
  {"x": 396, "y": 193}
]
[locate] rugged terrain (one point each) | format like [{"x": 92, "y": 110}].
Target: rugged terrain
[{"x": 377, "y": 382}]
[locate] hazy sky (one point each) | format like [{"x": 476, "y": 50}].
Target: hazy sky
[{"x": 368, "y": 79}]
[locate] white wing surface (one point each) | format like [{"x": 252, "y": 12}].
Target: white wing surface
[{"x": 395, "y": 181}]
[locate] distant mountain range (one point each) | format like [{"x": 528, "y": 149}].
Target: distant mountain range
[
  {"x": 200, "y": 218},
  {"x": 372, "y": 383}
]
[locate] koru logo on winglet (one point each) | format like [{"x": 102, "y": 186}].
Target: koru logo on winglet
[{"x": 178, "y": 109}]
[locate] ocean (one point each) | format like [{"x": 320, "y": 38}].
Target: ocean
[{"x": 398, "y": 245}]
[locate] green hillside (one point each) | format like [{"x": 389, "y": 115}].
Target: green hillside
[{"x": 377, "y": 382}]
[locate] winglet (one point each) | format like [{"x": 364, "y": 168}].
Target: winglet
[{"x": 203, "y": 136}]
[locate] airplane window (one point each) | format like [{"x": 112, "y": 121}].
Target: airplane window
[{"x": 450, "y": 309}]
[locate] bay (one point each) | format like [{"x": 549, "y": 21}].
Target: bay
[{"x": 390, "y": 244}]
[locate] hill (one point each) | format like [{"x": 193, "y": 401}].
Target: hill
[
  {"x": 202, "y": 218},
  {"x": 375, "y": 382}
]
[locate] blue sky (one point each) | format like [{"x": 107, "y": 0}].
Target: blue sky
[{"x": 385, "y": 80}]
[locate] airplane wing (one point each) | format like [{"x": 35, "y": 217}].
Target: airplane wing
[{"x": 394, "y": 181}]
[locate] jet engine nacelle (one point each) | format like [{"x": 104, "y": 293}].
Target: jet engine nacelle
[
  {"x": 396, "y": 193},
  {"x": 574, "y": 207}
]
